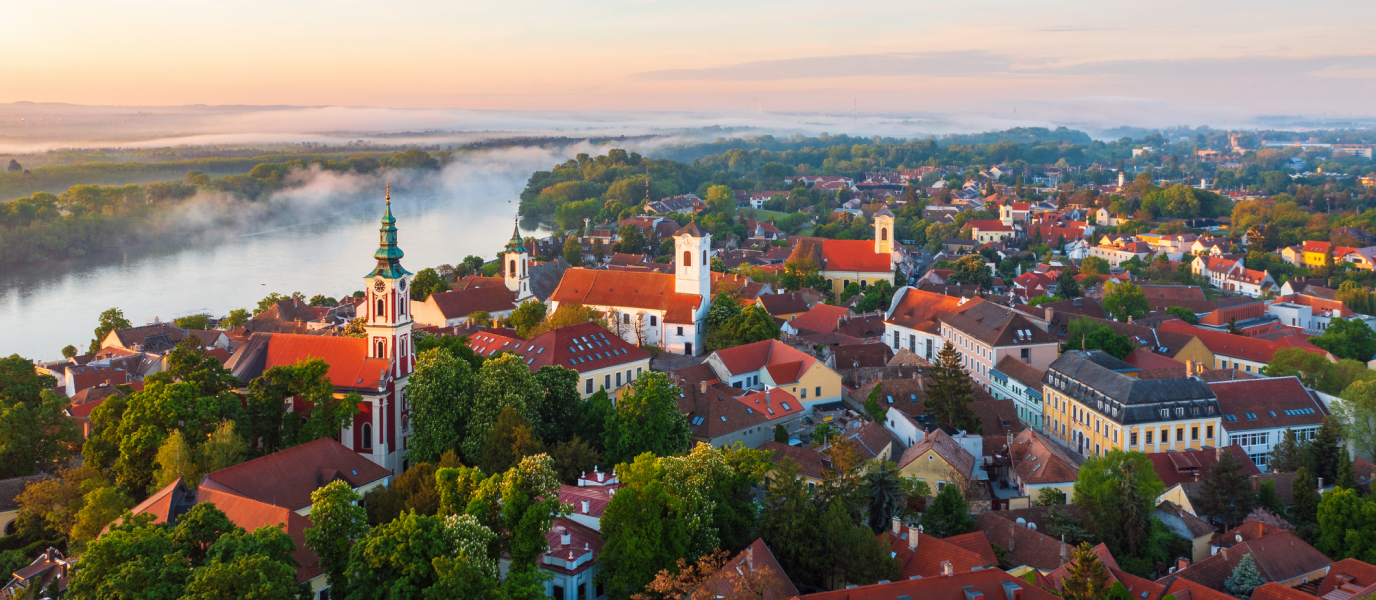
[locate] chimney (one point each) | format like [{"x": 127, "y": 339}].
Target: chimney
[
  {"x": 1189, "y": 367},
  {"x": 947, "y": 569},
  {"x": 1050, "y": 312},
  {"x": 897, "y": 526},
  {"x": 702, "y": 387},
  {"x": 565, "y": 538},
  {"x": 766, "y": 396},
  {"x": 585, "y": 506},
  {"x": 750, "y": 558},
  {"x": 1181, "y": 563},
  {"x": 912, "y": 538},
  {"x": 1011, "y": 591},
  {"x": 583, "y": 479}
]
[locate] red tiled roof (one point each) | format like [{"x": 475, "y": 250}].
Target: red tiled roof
[
  {"x": 583, "y": 347},
  {"x": 785, "y": 373},
  {"x": 989, "y": 582},
  {"x": 944, "y": 446},
  {"x": 1279, "y": 556},
  {"x": 582, "y": 540},
  {"x": 1101, "y": 551},
  {"x": 920, "y": 310},
  {"x": 287, "y": 478},
  {"x": 1147, "y": 361},
  {"x": 1268, "y": 399},
  {"x": 821, "y": 318},
  {"x": 772, "y": 403},
  {"x": 926, "y": 559},
  {"x": 756, "y": 557},
  {"x": 1347, "y": 576},
  {"x": 976, "y": 542},
  {"x": 810, "y": 462},
  {"x": 854, "y": 255},
  {"x": 1182, "y": 467},
  {"x": 1236, "y": 346},
  {"x": 1037, "y": 459},
  {"x": 633, "y": 289},
  {"x": 1316, "y": 246},
  {"x": 784, "y": 304},
  {"x": 1276, "y": 591},
  {"x": 753, "y": 357},
  {"x": 463, "y": 302},
  {"x": 350, "y": 366}
]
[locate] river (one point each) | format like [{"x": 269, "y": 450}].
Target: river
[{"x": 469, "y": 210}]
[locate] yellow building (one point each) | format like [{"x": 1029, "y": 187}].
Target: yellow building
[
  {"x": 774, "y": 364},
  {"x": 939, "y": 461},
  {"x": 843, "y": 262},
  {"x": 1316, "y": 252},
  {"x": 1093, "y": 403}
]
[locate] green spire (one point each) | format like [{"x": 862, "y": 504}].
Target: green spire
[
  {"x": 516, "y": 244},
  {"x": 388, "y": 255}
]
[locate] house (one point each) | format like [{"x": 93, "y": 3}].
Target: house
[
  {"x": 32, "y": 580},
  {"x": 1231, "y": 275},
  {"x": 170, "y": 503},
  {"x": 1235, "y": 351},
  {"x": 939, "y": 460},
  {"x": 920, "y": 555},
  {"x": 821, "y": 318},
  {"x": 812, "y": 465},
  {"x": 1281, "y": 557},
  {"x": 1122, "y": 251},
  {"x": 685, "y": 204},
  {"x": 913, "y": 320},
  {"x": 662, "y": 309},
  {"x": 447, "y": 309},
  {"x": 1348, "y": 578},
  {"x": 590, "y": 497},
  {"x": 1187, "y": 526},
  {"x": 989, "y": 230},
  {"x": 1188, "y": 467},
  {"x": 786, "y": 305},
  {"x": 984, "y": 333},
  {"x": 1312, "y": 313},
  {"x": 721, "y": 415},
  {"x": 1037, "y": 463},
  {"x": 1025, "y": 544},
  {"x": 1094, "y": 404},
  {"x": 1257, "y": 412},
  {"x": 865, "y": 262},
  {"x": 755, "y": 569},
  {"x": 602, "y": 359},
  {"x": 992, "y": 584},
  {"x": 1022, "y": 383},
  {"x": 376, "y": 366},
  {"x": 773, "y": 364},
  {"x": 286, "y": 478}
]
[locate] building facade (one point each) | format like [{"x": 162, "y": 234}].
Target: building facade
[{"x": 1258, "y": 412}]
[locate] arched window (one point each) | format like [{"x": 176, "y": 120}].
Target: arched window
[
  {"x": 883, "y": 233},
  {"x": 381, "y": 309},
  {"x": 512, "y": 271},
  {"x": 704, "y": 257},
  {"x": 367, "y": 436},
  {"x": 381, "y": 346},
  {"x": 687, "y": 258}
]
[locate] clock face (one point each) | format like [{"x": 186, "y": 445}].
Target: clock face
[
  {"x": 402, "y": 284},
  {"x": 379, "y": 285}
]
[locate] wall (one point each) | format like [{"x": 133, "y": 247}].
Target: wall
[
  {"x": 929, "y": 468},
  {"x": 838, "y": 279},
  {"x": 819, "y": 375},
  {"x": 599, "y": 376}
]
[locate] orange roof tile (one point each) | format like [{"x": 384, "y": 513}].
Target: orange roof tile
[{"x": 854, "y": 255}]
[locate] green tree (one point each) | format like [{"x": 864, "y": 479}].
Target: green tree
[
  {"x": 1348, "y": 338},
  {"x": 646, "y": 419},
  {"x": 35, "y": 433},
  {"x": 1226, "y": 493},
  {"x": 1316, "y": 371},
  {"x": 640, "y": 536},
  {"x": 69, "y": 351},
  {"x": 1093, "y": 265},
  {"x": 1116, "y": 494},
  {"x": 1267, "y": 498},
  {"x": 971, "y": 270},
  {"x": 134, "y": 559},
  {"x": 573, "y": 251},
  {"x": 337, "y": 521},
  {"x": 243, "y": 564},
  {"x": 1304, "y": 499},
  {"x": 509, "y": 441},
  {"x": 802, "y": 273},
  {"x": 503, "y": 381},
  {"x": 236, "y": 317},
  {"x": 1357, "y": 414},
  {"x": 307, "y": 382},
  {"x": 872, "y": 406},
  {"x": 574, "y": 458},
  {"x": 1122, "y": 300},
  {"x": 110, "y": 320},
  {"x": 322, "y": 300},
  {"x": 426, "y": 282},
  {"x": 399, "y": 559},
  {"x": 175, "y": 461},
  {"x": 1344, "y": 523},
  {"x": 562, "y": 409},
  {"x": 789, "y": 523},
  {"x": 852, "y": 554},
  {"x": 1326, "y": 451},
  {"x": 1288, "y": 453},
  {"x": 724, "y": 308},
  {"x": 526, "y": 316},
  {"x": 439, "y": 392},
  {"x": 1185, "y": 314},
  {"x": 1085, "y": 578},
  {"x": 268, "y": 301},
  {"x": 1066, "y": 286},
  {"x": 100, "y": 507},
  {"x": 886, "y": 497},
  {"x": 1244, "y": 578},
  {"x": 780, "y": 434},
  {"x": 948, "y": 400},
  {"x": 1050, "y": 497},
  {"x": 750, "y": 325},
  {"x": 948, "y": 514},
  {"x": 196, "y": 322}
]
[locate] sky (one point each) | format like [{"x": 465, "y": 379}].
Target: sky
[{"x": 1194, "y": 60}]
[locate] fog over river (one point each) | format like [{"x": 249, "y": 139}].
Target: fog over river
[{"x": 316, "y": 239}]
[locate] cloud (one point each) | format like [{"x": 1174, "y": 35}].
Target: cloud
[{"x": 930, "y": 64}]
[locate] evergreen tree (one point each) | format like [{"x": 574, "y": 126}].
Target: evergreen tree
[
  {"x": 1267, "y": 499},
  {"x": 948, "y": 400},
  {"x": 948, "y": 514},
  {"x": 1324, "y": 453},
  {"x": 1288, "y": 453},
  {"x": 1066, "y": 286},
  {"x": 885, "y": 495},
  {"x": 1085, "y": 578},
  {"x": 1226, "y": 493},
  {"x": 1244, "y": 579},
  {"x": 780, "y": 434},
  {"x": 646, "y": 419},
  {"x": 1304, "y": 500}
]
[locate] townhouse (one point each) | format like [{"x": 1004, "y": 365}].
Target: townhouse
[
  {"x": 1257, "y": 412},
  {"x": 913, "y": 320},
  {"x": 1094, "y": 403},
  {"x": 984, "y": 333},
  {"x": 1237, "y": 351},
  {"x": 1020, "y": 382},
  {"x": 1230, "y": 275}
]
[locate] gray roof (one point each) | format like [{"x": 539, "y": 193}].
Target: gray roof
[
  {"x": 10, "y": 489},
  {"x": 544, "y": 279},
  {"x": 1098, "y": 381},
  {"x": 997, "y": 326}
]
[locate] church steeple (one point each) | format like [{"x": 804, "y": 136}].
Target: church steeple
[
  {"x": 516, "y": 244},
  {"x": 517, "y": 271},
  {"x": 388, "y": 255}
]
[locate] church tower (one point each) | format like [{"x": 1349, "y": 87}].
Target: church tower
[
  {"x": 692, "y": 269},
  {"x": 389, "y": 302},
  {"x": 1006, "y": 213},
  {"x": 517, "y": 260},
  {"x": 883, "y": 231}
]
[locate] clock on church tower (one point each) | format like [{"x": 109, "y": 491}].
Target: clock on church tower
[{"x": 388, "y": 305}]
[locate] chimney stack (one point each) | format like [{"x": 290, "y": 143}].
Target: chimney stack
[
  {"x": 702, "y": 387},
  {"x": 912, "y": 538},
  {"x": 897, "y": 526},
  {"x": 1181, "y": 563},
  {"x": 750, "y": 558},
  {"x": 947, "y": 569},
  {"x": 585, "y": 506}
]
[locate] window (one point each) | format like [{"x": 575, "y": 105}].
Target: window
[
  {"x": 654, "y": 320},
  {"x": 1209, "y": 432},
  {"x": 1026, "y": 355},
  {"x": 367, "y": 443},
  {"x": 1165, "y": 436},
  {"x": 1115, "y": 436},
  {"x": 587, "y": 386},
  {"x": 381, "y": 309},
  {"x": 1179, "y": 434},
  {"x": 819, "y": 392},
  {"x": 687, "y": 258},
  {"x": 637, "y": 371},
  {"x": 1132, "y": 438},
  {"x": 380, "y": 348},
  {"x": 1149, "y": 437},
  {"x": 883, "y": 233},
  {"x": 1194, "y": 432},
  {"x": 680, "y": 332},
  {"x": 607, "y": 381},
  {"x": 895, "y": 340},
  {"x": 618, "y": 380},
  {"x": 626, "y": 317},
  {"x": 804, "y": 396}
]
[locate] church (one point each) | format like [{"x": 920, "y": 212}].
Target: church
[
  {"x": 375, "y": 366},
  {"x": 644, "y": 308},
  {"x": 865, "y": 262}
]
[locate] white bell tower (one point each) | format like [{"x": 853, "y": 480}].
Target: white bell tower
[
  {"x": 517, "y": 265},
  {"x": 389, "y": 301},
  {"x": 883, "y": 231},
  {"x": 692, "y": 269}
]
